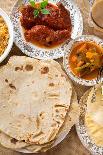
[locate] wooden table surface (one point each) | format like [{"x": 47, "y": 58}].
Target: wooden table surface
[{"x": 71, "y": 145}]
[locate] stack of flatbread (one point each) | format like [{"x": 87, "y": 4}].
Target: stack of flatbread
[
  {"x": 94, "y": 115},
  {"x": 37, "y": 104}
]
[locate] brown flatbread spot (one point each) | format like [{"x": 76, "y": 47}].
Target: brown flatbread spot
[
  {"x": 62, "y": 75},
  {"x": 4, "y": 106},
  {"x": 12, "y": 86},
  {"x": 57, "y": 110},
  {"x": 58, "y": 122},
  {"x": 51, "y": 84},
  {"x": 38, "y": 122},
  {"x": 14, "y": 141},
  {"x": 29, "y": 67},
  {"x": 70, "y": 118},
  {"x": 58, "y": 105},
  {"x": 6, "y": 80},
  {"x": 11, "y": 92},
  {"x": 62, "y": 116},
  {"x": 41, "y": 115},
  {"x": 19, "y": 125},
  {"x": 53, "y": 95},
  {"x": 18, "y": 68},
  {"x": 44, "y": 70},
  {"x": 53, "y": 125}
]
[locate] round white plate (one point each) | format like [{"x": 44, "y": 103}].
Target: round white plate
[
  {"x": 10, "y": 30},
  {"x": 68, "y": 52},
  {"x": 42, "y": 53},
  {"x": 82, "y": 132}
]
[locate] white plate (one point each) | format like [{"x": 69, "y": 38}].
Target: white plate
[
  {"x": 42, "y": 53},
  {"x": 68, "y": 52},
  {"x": 82, "y": 132},
  {"x": 10, "y": 29}
]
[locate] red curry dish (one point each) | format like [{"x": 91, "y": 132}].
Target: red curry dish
[{"x": 47, "y": 30}]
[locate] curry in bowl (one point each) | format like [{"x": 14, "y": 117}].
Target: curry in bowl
[
  {"x": 4, "y": 35},
  {"x": 45, "y": 24},
  {"x": 86, "y": 59}
]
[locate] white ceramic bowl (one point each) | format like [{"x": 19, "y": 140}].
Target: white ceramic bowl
[
  {"x": 10, "y": 29},
  {"x": 68, "y": 52}
]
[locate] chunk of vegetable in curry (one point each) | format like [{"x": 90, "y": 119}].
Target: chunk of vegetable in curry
[{"x": 85, "y": 60}]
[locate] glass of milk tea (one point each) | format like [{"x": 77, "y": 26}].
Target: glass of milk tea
[{"x": 96, "y": 16}]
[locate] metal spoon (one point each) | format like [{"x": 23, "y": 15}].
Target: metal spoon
[{"x": 99, "y": 80}]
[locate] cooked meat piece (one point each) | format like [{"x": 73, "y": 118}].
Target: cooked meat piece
[
  {"x": 47, "y": 30},
  {"x": 46, "y": 36},
  {"x": 65, "y": 15},
  {"x": 40, "y": 33},
  {"x": 59, "y": 17},
  {"x": 61, "y": 36},
  {"x": 27, "y": 18}
]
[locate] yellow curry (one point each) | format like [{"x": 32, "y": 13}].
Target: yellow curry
[{"x": 85, "y": 60}]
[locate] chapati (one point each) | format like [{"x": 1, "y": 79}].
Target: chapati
[
  {"x": 94, "y": 115},
  {"x": 97, "y": 13},
  {"x": 71, "y": 119},
  {"x": 35, "y": 98}
]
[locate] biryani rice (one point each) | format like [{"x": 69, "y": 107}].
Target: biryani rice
[{"x": 4, "y": 35}]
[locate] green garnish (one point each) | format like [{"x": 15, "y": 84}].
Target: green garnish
[
  {"x": 36, "y": 13},
  {"x": 41, "y": 9},
  {"x": 32, "y": 3},
  {"x": 45, "y": 11},
  {"x": 43, "y": 4},
  {"x": 79, "y": 69}
]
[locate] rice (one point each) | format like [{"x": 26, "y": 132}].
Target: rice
[{"x": 4, "y": 35}]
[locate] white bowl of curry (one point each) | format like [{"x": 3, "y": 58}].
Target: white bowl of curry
[
  {"x": 6, "y": 35},
  {"x": 83, "y": 59}
]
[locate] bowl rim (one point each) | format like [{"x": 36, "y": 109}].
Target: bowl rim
[
  {"x": 67, "y": 53},
  {"x": 10, "y": 29}
]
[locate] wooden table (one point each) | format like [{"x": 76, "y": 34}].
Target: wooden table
[{"x": 71, "y": 145}]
